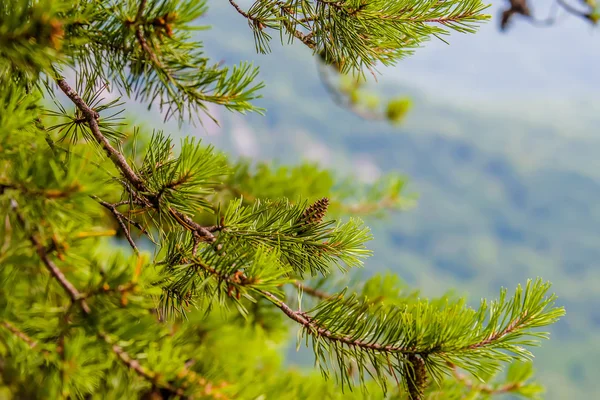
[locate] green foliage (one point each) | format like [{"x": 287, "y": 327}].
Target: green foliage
[
  {"x": 356, "y": 34},
  {"x": 379, "y": 337},
  {"x": 203, "y": 309},
  {"x": 397, "y": 109},
  {"x": 31, "y": 35},
  {"x": 367, "y": 104}
]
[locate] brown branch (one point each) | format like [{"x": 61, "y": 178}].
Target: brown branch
[
  {"x": 135, "y": 365},
  {"x": 312, "y": 291},
  {"x": 572, "y": 10},
  {"x": 144, "y": 195},
  {"x": 140, "y": 11},
  {"x": 304, "y": 38},
  {"x": 18, "y": 333},
  {"x": 73, "y": 293},
  {"x": 481, "y": 387},
  {"x": 47, "y": 193},
  {"x": 498, "y": 335},
  {"x": 242, "y": 12},
  {"x": 139, "y": 34},
  {"x": 92, "y": 117},
  {"x": 144, "y": 44},
  {"x": 121, "y": 220},
  {"x": 307, "y": 322},
  {"x": 78, "y": 298}
]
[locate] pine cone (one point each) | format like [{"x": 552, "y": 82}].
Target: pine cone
[{"x": 314, "y": 213}]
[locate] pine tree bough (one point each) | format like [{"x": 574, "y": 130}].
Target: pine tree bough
[
  {"x": 30, "y": 342},
  {"x": 73, "y": 293},
  {"x": 121, "y": 163},
  {"x": 80, "y": 299},
  {"x": 92, "y": 117}
]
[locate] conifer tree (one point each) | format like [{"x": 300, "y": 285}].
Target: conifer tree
[{"x": 136, "y": 267}]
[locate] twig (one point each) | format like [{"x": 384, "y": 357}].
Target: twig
[
  {"x": 73, "y": 293},
  {"x": 572, "y": 10},
  {"x": 312, "y": 291},
  {"x": 144, "y": 44},
  {"x": 306, "y": 321},
  {"x": 79, "y": 299},
  {"x": 92, "y": 117},
  {"x": 140, "y": 12},
  {"x": 121, "y": 163},
  {"x": 304, "y": 38},
  {"x": 121, "y": 220},
  {"x": 484, "y": 388},
  {"x": 498, "y": 335},
  {"x": 242, "y": 12},
  {"x": 18, "y": 333},
  {"x": 341, "y": 101},
  {"x": 134, "y": 364},
  {"x": 309, "y": 324}
]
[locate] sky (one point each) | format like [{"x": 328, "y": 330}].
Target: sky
[{"x": 526, "y": 62}]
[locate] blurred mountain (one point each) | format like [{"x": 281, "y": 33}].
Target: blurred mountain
[{"x": 509, "y": 180}]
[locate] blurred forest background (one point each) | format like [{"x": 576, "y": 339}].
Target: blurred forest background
[{"x": 500, "y": 145}]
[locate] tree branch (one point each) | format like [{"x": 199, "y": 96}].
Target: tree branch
[
  {"x": 242, "y": 12},
  {"x": 312, "y": 291},
  {"x": 73, "y": 293},
  {"x": 304, "y": 38},
  {"x": 306, "y": 321},
  {"x": 135, "y": 365},
  {"x": 121, "y": 220},
  {"x": 484, "y": 388},
  {"x": 91, "y": 118},
  {"x": 120, "y": 162},
  {"x": 498, "y": 335},
  {"x": 140, "y": 35},
  {"x": 18, "y": 333},
  {"x": 341, "y": 101},
  {"x": 78, "y": 298},
  {"x": 572, "y": 10}
]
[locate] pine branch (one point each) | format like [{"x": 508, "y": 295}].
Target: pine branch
[
  {"x": 589, "y": 16},
  {"x": 121, "y": 163},
  {"x": 135, "y": 365},
  {"x": 91, "y": 118},
  {"x": 73, "y": 293},
  {"x": 352, "y": 35},
  {"x": 242, "y": 12},
  {"x": 481, "y": 387},
  {"x": 314, "y": 328},
  {"x": 18, "y": 333},
  {"x": 142, "y": 40},
  {"x": 121, "y": 220},
  {"x": 78, "y": 298},
  {"x": 312, "y": 291},
  {"x": 371, "y": 332}
]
